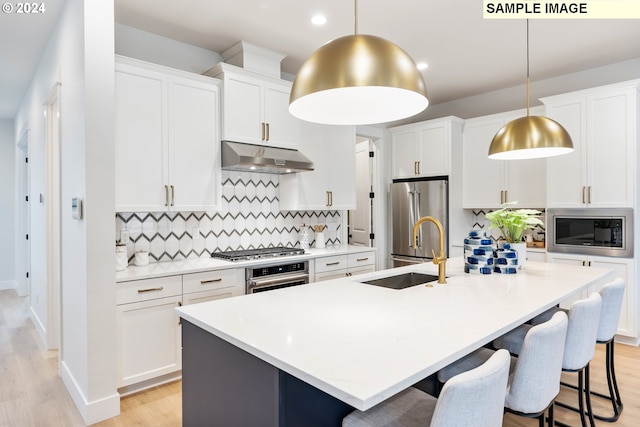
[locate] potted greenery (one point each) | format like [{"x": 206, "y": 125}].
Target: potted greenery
[{"x": 512, "y": 224}]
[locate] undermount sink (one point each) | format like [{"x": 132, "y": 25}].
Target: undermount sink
[{"x": 402, "y": 281}]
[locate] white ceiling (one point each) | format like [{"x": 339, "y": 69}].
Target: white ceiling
[{"x": 467, "y": 54}]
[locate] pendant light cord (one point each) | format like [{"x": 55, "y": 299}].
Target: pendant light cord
[
  {"x": 528, "y": 80},
  {"x": 355, "y": 16}
]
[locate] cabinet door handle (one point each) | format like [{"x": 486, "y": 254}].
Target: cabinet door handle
[
  {"x": 172, "y": 195},
  {"x": 141, "y": 291},
  {"x": 330, "y": 198},
  {"x": 180, "y": 318},
  {"x": 418, "y": 167},
  {"x": 589, "y": 195},
  {"x": 332, "y": 263},
  {"x": 204, "y": 282},
  {"x": 262, "y": 136},
  {"x": 166, "y": 195},
  {"x": 415, "y": 168},
  {"x": 583, "y": 190},
  {"x": 267, "y": 135},
  {"x": 506, "y": 196},
  {"x": 362, "y": 259}
]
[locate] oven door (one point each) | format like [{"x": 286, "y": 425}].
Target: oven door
[{"x": 269, "y": 283}]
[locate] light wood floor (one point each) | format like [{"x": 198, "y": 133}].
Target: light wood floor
[{"x": 32, "y": 393}]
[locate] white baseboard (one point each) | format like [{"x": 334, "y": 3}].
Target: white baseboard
[
  {"x": 42, "y": 331},
  {"x": 91, "y": 412},
  {"x": 8, "y": 284}
]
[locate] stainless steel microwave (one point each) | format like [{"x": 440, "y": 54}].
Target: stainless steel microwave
[{"x": 605, "y": 232}]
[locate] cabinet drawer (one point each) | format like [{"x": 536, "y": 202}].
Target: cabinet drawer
[
  {"x": 331, "y": 263},
  {"x": 210, "y": 280},
  {"x": 148, "y": 289},
  {"x": 361, "y": 259}
]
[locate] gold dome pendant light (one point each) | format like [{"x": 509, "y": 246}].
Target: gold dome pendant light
[
  {"x": 356, "y": 80},
  {"x": 530, "y": 137}
]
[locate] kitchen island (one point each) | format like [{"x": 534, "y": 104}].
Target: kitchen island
[{"x": 308, "y": 355}]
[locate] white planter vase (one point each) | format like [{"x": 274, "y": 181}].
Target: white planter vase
[
  {"x": 320, "y": 242},
  {"x": 521, "y": 248}
]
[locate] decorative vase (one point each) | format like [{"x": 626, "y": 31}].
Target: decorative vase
[
  {"x": 320, "y": 242},
  {"x": 478, "y": 253},
  {"x": 506, "y": 260}
]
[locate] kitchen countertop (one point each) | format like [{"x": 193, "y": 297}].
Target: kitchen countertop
[
  {"x": 362, "y": 344},
  {"x": 197, "y": 265}
]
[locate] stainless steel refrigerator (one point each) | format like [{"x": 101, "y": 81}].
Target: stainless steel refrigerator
[{"x": 412, "y": 199}]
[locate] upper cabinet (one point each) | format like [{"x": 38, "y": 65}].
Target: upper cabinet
[
  {"x": 423, "y": 149},
  {"x": 601, "y": 171},
  {"x": 489, "y": 183},
  {"x": 167, "y": 139},
  {"x": 332, "y": 183},
  {"x": 255, "y": 108}
]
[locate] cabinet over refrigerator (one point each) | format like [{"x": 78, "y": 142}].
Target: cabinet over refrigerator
[{"x": 412, "y": 199}]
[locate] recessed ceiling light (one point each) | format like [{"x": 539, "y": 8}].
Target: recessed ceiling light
[
  {"x": 422, "y": 66},
  {"x": 319, "y": 19}
]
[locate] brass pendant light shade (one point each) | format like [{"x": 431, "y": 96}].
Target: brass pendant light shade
[
  {"x": 530, "y": 137},
  {"x": 355, "y": 80}
]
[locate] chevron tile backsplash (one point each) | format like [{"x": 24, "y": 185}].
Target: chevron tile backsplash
[{"x": 249, "y": 217}]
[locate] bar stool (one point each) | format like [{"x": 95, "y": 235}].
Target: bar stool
[
  {"x": 584, "y": 317},
  {"x": 535, "y": 379},
  {"x": 612, "y": 294},
  {"x": 475, "y": 398}
]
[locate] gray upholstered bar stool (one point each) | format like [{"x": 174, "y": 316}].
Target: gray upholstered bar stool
[
  {"x": 473, "y": 399},
  {"x": 534, "y": 382},
  {"x": 612, "y": 294},
  {"x": 584, "y": 317}
]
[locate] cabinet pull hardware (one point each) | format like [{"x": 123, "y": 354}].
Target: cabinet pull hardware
[
  {"x": 589, "y": 263},
  {"x": 584, "y": 263},
  {"x": 506, "y": 196},
  {"x": 267, "y": 137},
  {"x": 332, "y": 263},
  {"x": 362, "y": 259},
  {"x": 348, "y": 274},
  {"x": 589, "y": 194},
  {"x": 501, "y": 196},
  {"x": 166, "y": 195},
  {"x": 262, "y": 134},
  {"x": 330, "y": 198},
  {"x": 583, "y": 198},
  {"x": 418, "y": 167},
  {"x": 415, "y": 168},
  {"x": 204, "y": 282},
  {"x": 172, "y": 195},
  {"x": 328, "y": 203},
  {"x": 180, "y": 318},
  {"x": 150, "y": 289}
]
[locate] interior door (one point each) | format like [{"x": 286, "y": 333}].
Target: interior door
[{"x": 360, "y": 217}]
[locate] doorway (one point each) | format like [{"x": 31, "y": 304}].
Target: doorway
[
  {"x": 360, "y": 222},
  {"x": 53, "y": 227},
  {"x": 24, "y": 250}
]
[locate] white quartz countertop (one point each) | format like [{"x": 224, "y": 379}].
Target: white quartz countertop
[
  {"x": 197, "y": 265},
  {"x": 362, "y": 344}
]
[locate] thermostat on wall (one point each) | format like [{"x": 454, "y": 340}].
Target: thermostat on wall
[{"x": 76, "y": 208}]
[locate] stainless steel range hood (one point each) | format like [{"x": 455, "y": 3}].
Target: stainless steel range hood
[{"x": 257, "y": 158}]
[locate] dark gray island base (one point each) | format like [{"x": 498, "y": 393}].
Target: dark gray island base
[{"x": 223, "y": 385}]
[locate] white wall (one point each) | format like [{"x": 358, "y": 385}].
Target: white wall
[
  {"x": 7, "y": 205},
  {"x": 156, "y": 49},
  {"x": 514, "y": 98},
  {"x": 80, "y": 57}
]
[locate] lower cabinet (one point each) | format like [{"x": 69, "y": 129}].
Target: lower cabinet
[
  {"x": 339, "y": 266},
  {"x": 624, "y": 268},
  {"x": 149, "y": 340},
  {"x": 149, "y": 331}
]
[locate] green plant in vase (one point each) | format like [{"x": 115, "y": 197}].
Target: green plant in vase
[{"x": 512, "y": 223}]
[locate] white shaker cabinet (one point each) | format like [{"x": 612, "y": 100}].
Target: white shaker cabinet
[
  {"x": 624, "y": 268},
  {"x": 255, "y": 108},
  {"x": 340, "y": 266},
  {"x": 332, "y": 183},
  {"x": 148, "y": 330},
  {"x": 167, "y": 139},
  {"x": 424, "y": 149},
  {"x": 488, "y": 183},
  {"x": 601, "y": 171}
]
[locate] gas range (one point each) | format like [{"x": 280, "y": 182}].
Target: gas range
[{"x": 261, "y": 253}]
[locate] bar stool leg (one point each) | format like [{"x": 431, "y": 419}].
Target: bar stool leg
[{"x": 612, "y": 383}]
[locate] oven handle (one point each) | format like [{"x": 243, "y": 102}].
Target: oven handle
[{"x": 259, "y": 283}]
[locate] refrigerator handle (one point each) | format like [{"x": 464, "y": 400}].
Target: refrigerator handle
[
  {"x": 417, "y": 217},
  {"x": 412, "y": 214}
]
